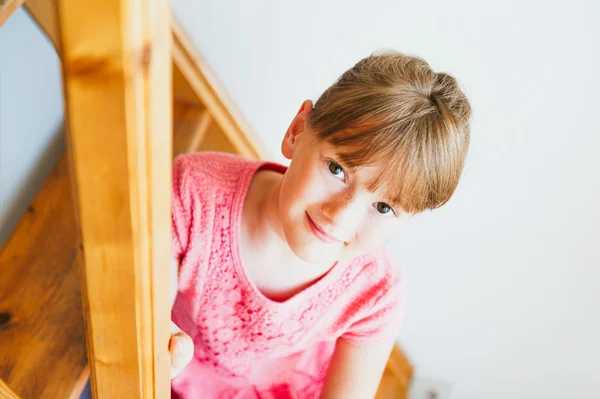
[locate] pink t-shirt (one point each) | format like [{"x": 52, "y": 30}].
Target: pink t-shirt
[{"x": 246, "y": 345}]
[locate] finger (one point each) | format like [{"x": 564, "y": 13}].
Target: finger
[
  {"x": 181, "y": 353},
  {"x": 181, "y": 348}
]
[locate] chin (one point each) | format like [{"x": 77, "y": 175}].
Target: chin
[{"x": 308, "y": 248}]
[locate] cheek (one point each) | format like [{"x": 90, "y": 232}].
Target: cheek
[
  {"x": 306, "y": 185},
  {"x": 373, "y": 234}
]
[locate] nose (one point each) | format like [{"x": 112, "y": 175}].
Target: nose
[{"x": 342, "y": 214}]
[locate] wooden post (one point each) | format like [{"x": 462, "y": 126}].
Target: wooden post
[
  {"x": 7, "y": 8},
  {"x": 44, "y": 13},
  {"x": 117, "y": 82},
  {"x": 6, "y": 392}
]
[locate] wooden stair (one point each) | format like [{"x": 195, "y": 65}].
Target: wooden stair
[
  {"x": 42, "y": 327},
  {"x": 42, "y": 337}
]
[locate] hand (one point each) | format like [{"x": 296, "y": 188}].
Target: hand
[{"x": 181, "y": 348}]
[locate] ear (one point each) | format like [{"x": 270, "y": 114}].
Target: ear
[{"x": 299, "y": 125}]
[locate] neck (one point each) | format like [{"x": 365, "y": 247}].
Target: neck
[
  {"x": 268, "y": 210},
  {"x": 267, "y": 230}
]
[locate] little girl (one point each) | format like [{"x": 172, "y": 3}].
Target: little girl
[{"x": 284, "y": 290}]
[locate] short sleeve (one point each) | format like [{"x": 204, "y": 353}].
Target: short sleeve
[
  {"x": 385, "y": 318},
  {"x": 181, "y": 208}
]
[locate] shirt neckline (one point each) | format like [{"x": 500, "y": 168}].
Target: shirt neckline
[{"x": 242, "y": 189}]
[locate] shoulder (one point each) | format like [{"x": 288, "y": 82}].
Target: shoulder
[
  {"x": 386, "y": 274},
  {"x": 380, "y": 281},
  {"x": 211, "y": 168},
  {"x": 202, "y": 182},
  {"x": 377, "y": 310}
]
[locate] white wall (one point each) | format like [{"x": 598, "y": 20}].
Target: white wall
[
  {"x": 503, "y": 281},
  {"x": 31, "y": 108}
]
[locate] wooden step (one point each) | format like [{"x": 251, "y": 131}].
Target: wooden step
[{"x": 42, "y": 334}]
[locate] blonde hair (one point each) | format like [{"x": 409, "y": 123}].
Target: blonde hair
[{"x": 393, "y": 108}]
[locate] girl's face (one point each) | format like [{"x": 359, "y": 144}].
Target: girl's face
[{"x": 326, "y": 212}]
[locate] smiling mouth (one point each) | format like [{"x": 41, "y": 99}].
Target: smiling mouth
[{"x": 319, "y": 232}]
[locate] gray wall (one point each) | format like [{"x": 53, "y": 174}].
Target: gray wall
[
  {"x": 31, "y": 109},
  {"x": 31, "y": 113}
]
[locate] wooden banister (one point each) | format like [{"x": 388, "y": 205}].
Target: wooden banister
[
  {"x": 118, "y": 124},
  {"x": 7, "y": 8}
]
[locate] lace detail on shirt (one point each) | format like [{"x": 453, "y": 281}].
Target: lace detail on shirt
[{"x": 235, "y": 330}]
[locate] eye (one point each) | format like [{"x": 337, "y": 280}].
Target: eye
[
  {"x": 384, "y": 208},
  {"x": 335, "y": 169}
]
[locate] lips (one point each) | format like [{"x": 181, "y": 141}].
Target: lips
[{"x": 319, "y": 232}]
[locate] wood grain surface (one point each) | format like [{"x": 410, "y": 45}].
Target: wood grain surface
[{"x": 42, "y": 332}]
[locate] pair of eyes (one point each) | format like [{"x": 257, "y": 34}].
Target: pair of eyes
[{"x": 335, "y": 169}]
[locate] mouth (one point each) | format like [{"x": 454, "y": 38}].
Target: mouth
[{"x": 319, "y": 232}]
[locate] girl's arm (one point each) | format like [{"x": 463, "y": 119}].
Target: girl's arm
[{"x": 355, "y": 371}]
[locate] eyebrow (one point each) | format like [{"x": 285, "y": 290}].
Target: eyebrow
[
  {"x": 391, "y": 201},
  {"x": 339, "y": 159},
  {"x": 394, "y": 203}
]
